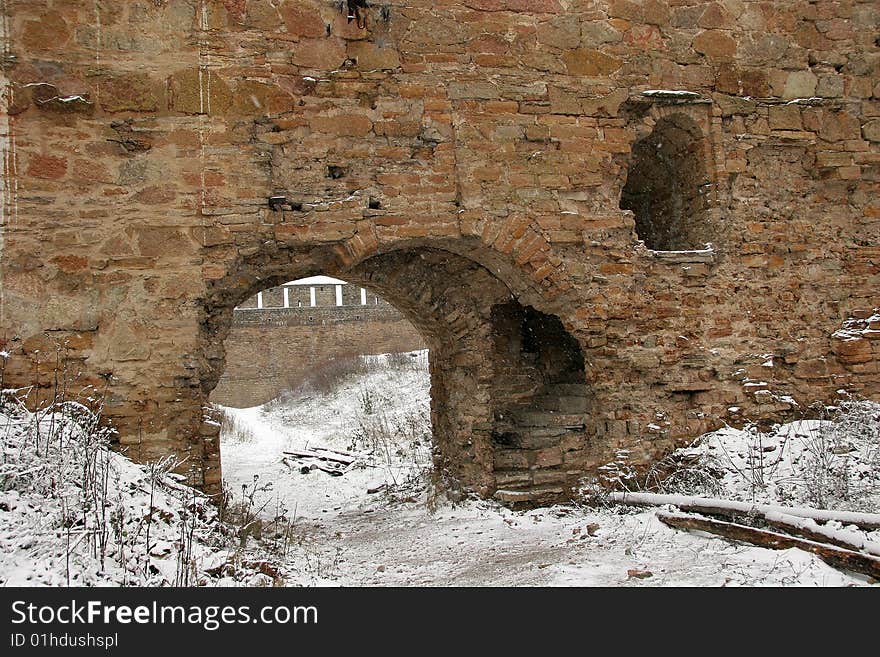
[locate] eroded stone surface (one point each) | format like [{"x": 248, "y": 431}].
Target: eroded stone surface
[{"x": 494, "y": 138}]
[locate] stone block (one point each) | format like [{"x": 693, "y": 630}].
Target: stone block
[
  {"x": 785, "y": 117},
  {"x": 871, "y": 130},
  {"x": 590, "y": 63},
  {"x": 715, "y": 44},
  {"x": 800, "y": 84},
  {"x": 302, "y": 18},
  {"x": 131, "y": 92}
]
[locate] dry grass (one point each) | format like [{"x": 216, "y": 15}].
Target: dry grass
[
  {"x": 327, "y": 375},
  {"x": 232, "y": 428}
]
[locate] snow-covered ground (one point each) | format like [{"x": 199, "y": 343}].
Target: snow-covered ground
[
  {"x": 817, "y": 463},
  {"x": 74, "y": 512},
  {"x": 403, "y": 535},
  {"x": 381, "y": 414}
]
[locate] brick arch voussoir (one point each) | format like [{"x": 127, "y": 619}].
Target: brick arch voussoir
[{"x": 513, "y": 249}]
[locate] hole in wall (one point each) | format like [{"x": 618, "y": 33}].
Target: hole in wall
[
  {"x": 542, "y": 402},
  {"x": 667, "y": 186},
  {"x": 508, "y": 398}
]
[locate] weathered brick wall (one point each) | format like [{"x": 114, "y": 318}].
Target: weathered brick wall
[
  {"x": 454, "y": 157},
  {"x": 272, "y": 350}
]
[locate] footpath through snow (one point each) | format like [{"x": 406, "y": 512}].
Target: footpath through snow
[
  {"x": 402, "y": 535},
  {"x": 332, "y": 487}
]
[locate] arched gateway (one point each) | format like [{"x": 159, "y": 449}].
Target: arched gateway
[
  {"x": 508, "y": 386},
  {"x": 483, "y": 165}
]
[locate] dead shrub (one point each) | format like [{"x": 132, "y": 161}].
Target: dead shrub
[{"x": 232, "y": 428}]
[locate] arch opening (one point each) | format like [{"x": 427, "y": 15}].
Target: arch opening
[
  {"x": 509, "y": 402},
  {"x": 667, "y": 186},
  {"x": 284, "y": 336},
  {"x": 324, "y": 395}
]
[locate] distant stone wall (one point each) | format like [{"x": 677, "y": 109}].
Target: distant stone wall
[
  {"x": 271, "y": 349},
  {"x": 301, "y": 295}
]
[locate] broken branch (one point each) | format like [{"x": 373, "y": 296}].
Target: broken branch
[
  {"x": 323, "y": 455},
  {"x": 809, "y": 529}
]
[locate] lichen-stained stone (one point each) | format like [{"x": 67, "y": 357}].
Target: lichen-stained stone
[
  {"x": 679, "y": 197},
  {"x": 199, "y": 91},
  {"x": 589, "y": 62}
]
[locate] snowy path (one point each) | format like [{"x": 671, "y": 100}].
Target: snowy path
[
  {"x": 347, "y": 537},
  {"x": 337, "y": 421},
  {"x": 480, "y": 544}
]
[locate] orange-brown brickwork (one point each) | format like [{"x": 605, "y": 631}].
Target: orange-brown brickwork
[{"x": 466, "y": 160}]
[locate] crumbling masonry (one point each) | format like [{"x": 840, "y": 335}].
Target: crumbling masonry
[{"x": 532, "y": 183}]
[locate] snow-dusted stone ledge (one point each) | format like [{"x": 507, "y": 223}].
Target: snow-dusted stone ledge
[
  {"x": 706, "y": 255},
  {"x": 674, "y": 96}
]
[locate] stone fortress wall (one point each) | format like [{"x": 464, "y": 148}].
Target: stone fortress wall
[
  {"x": 281, "y": 334},
  {"x": 531, "y": 183}
]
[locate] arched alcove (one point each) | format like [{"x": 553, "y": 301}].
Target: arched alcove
[
  {"x": 540, "y": 399},
  {"x": 667, "y": 184}
]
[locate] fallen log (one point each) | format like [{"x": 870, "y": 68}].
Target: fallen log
[
  {"x": 300, "y": 466},
  {"x": 811, "y": 530},
  {"x": 305, "y": 466},
  {"x": 834, "y": 556},
  {"x": 338, "y": 452},
  {"x": 330, "y": 470},
  {"x": 729, "y": 508},
  {"x": 328, "y": 456}
]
